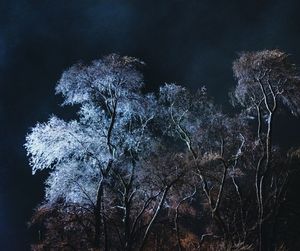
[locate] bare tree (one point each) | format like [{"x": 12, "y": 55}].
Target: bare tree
[
  {"x": 266, "y": 80},
  {"x": 214, "y": 141}
]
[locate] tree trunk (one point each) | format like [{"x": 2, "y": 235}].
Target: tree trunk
[
  {"x": 97, "y": 213},
  {"x": 158, "y": 209}
]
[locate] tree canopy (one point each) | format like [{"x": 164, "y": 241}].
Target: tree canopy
[{"x": 169, "y": 169}]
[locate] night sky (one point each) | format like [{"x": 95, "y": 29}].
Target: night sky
[{"x": 190, "y": 42}]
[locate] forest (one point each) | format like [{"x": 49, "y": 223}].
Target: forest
[{"x": 169, "y": 169}]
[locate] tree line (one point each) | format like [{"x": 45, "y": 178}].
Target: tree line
[{"x": 167, "y": 170}]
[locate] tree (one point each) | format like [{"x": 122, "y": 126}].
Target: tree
[
  {"x": 266, "y": 79},
  {"x": 110, "y": 135},
  {"x": 214, "y": 141}
]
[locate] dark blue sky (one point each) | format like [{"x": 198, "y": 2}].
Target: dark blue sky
[{"x": 191, "y": 42}]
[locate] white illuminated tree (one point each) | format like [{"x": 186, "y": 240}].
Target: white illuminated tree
[{"x": 110, "y": 135}]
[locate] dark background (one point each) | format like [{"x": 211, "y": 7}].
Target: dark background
[{"x": 191, "y": 42}]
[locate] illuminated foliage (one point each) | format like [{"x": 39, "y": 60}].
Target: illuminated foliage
[{"x": 137, "y": 171}]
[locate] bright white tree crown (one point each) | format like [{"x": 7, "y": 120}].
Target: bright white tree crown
[{"x": 112, "y": 122}]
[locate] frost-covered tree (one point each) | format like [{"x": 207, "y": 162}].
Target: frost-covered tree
[{"x": 110, "y": 135}]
